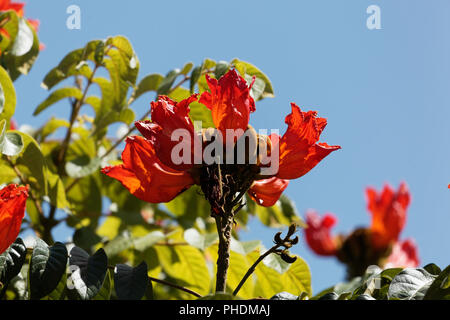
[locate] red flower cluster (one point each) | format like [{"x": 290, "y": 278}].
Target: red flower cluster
[
  {"x": 389, "y": 211},
  {"x": 149, "y": 172},
  {"x": 12, "y": 211}
]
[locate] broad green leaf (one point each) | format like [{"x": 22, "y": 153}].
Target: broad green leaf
[
  {"x": 88, "y": 272},
  {"x": 187, "y": 265},
  {"x": 219, "y": 296},
  {"x": 433, "y": 269},
  {"x": 440, "y": 288},
  {"x": 47, "y": 266},
  {"x": 106, "y": 289},
  {"x": 11, "y": 261},
  {"x": 18, "y": 61},
  {"x": 7, "y": 96},
  {"x": 82, "y": 166},
  {"x": 150, "y": 82},
  {"x": 10, "y": 24},
  {"x": 410, "y": 284},
  {"x": 246, "y": 68},
  {"x": 51, "y": 126},
  {"x": 198, "y": 240},
  {"x": 12, "y": 144},
  {"x": 57, "y": 95},
  {"x": 59, "y": 292},
  {"x": 130, "y": 283},
  {"x": 195, "y": 75},
  {"x": 56, "y": 190},
  {"x": 186, "y": 68},
  {"x": 221, "y": 68},
  {"x": 297, "y": 278},
  {"x": 24, "y": 39},
  {"x": 188, "y": 206},
  {"x": 268, "y": 281},
  {"x": 167, "y": 82},
  {"x": 31, "y": 163}
]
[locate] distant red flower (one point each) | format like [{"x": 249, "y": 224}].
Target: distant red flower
[
  {"x": 12, "y": 211},
  {"x": 404, "y": 255},
  {"x": 13, "y": 125},
  {"x": 230, "y": 103},
  {"x": 318, "y": 233},
  {"x": 388, "y": 210}
]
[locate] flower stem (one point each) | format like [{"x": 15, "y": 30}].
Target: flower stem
[{"x": 224, "y": 225}]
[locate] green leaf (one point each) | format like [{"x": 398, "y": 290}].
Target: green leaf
[
  {"x": 297, "y": 278},
  {"x": 51, "y": 126},
  {"x": 31, "y": 162},
  {"x": 246, "y": 68},
  {"x": 130, "y": 283},
  {"x": 195, "y": 75},
  {"x": 18, "y": 61},
  {"x": 189, "y": 206},
  {"x": 88, "y": 272},
  {"x": 7, "y": 96},
  {"x": 440, "y": 288},
  {"x": 150, "y": 82},
  {"x": 185, "y": 264},
  {"x": 24, "y": 39},
  {"x": 186, "y": 68},
  {"x": 200, "y": 241},
  {"x": 11, "y": 261},
  {"x": 47, "y": 266},
  {"x": 221, "y": 68},
  {"x": 167, "y": 82},
  {"x": 12, "y": 144},
  {"x": 60, "y": 290},
  {"x": 57, "y": 95},
  {"x": 10, "y": 24},
  {"x": 410, "y": 284},
  {"x": 106, "y": 289},
  {"x": 433, "y": 269},
  {"x": 82, "y": 166}
]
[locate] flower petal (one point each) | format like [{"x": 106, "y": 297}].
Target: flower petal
[
  {"x": 266, "y": 192},
  {"x": 145, "y": 176},
  {"x": 299, "y": 151},
  {"x": 388, "y": 210},
  {"x": 229, "y": 101},
  {"x": 12, "y": 210},
  {"x": 170, "y": 118},
  {"x": 404, "y": 255},
  {"x": 318, "y": 233}
]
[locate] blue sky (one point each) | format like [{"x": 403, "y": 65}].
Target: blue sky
[{"x": 384, "y": 92}]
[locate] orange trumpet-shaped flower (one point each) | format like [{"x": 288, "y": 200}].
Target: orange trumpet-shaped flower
[
  {"x": 152, "y": 169},
  {"x": 299, "y": 150},
  {"x": 389, "y": 211},
  {"x": 143, "y": 174},
  {"x": 167, "y": 117},
  {"x": 12, "y": 210},
  {"x": 230, "y": 102},
  {"x": 318, "y": 233}
]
